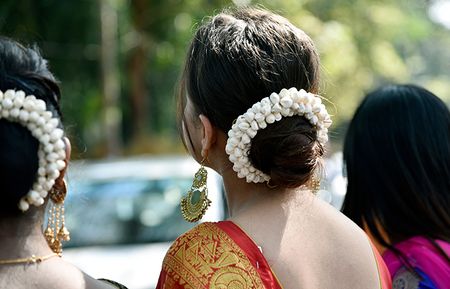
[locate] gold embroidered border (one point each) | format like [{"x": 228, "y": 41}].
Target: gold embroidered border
[{"x": 206, "y": 257}]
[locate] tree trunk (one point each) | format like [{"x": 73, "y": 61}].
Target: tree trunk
[
  {"x": 137, "y": 67},
  {"x": 112, "y": 115}
]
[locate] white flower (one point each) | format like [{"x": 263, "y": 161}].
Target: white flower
[
  {"x": 16, "y": 106},
  {"x": 287, "y": 103}
]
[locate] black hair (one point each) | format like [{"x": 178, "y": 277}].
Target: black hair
[
  {"x": 21, "y": 68},
  {"x": 397, "y": 159},
  {"x": 239, "y": 57}
]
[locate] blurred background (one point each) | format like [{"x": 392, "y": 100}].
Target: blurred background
[{"x": 118, "y": 62}]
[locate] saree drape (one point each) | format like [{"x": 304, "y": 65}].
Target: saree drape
[
  {"x": 220, "y": 256},
  {"x": 215, "y": 255}
]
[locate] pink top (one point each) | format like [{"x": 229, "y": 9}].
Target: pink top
[{"x": 424, "y": 256}]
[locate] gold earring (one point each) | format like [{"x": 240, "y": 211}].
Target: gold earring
[
  {"x": 196, "y": 202},
  {"x": 315, "y": 184},
  {"x": 56, "y": 231}
]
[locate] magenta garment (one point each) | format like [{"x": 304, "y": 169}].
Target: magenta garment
[{"x": 424, "y": 257}]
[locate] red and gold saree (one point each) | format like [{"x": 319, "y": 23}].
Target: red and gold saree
[
  {"x": 220, "y": 256},
  {"x": 215, "y": 255}
]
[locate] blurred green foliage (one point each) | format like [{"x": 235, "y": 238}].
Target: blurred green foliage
[{"x": 363, "y": 44}]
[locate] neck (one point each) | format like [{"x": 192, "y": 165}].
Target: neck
[
  {"x": 22, "y": 237},
  {"x": 244, "y": 197}
]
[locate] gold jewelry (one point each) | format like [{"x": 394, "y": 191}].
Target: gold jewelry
[
  {"x": 315, "y": 184},
  {"x": 56, "y": 230},
  {"x": 30, "y": 260},
  {"x": 196, "y": 202}
]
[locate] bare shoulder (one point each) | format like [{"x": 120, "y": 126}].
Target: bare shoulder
[
  {"x": 62, "y": 274},
  {"x": 343, "y": 249},
  {"x": 310, "y": 244},
  {"x": 54, "y": 273}
]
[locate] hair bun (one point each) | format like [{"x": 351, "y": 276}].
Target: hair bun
[{"x": 288, "y": 151}]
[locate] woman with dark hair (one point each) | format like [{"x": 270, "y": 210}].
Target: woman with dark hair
[
  {"x": 33, "y": 159},
  {"x": 249, "y": 109},
  {"x": 397, "y": 157}
]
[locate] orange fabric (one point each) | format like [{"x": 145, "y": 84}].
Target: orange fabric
[
  {"x": 215, "y": 255},
  {"x": 383, "y": 272}
]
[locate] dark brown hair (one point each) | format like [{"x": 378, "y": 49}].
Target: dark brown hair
[
  {"x": 239, "y": 57},
  {"x": 22, "y": 68},
  {"x": 397, "y": 158}
]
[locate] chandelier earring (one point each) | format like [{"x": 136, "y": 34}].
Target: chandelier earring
[
  {"x": 56, "y": 231},
  {"x": 195, "y": 203},
  {"x": 315, "y": 184}
]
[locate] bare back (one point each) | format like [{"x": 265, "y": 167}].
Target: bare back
[
  {"x": 310, "y": 244},
  {"x": 54, "y": 273}
]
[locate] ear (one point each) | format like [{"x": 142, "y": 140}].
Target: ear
[
  {"x": 208, "y": 135},
  {"x": 62, "y": 173}
]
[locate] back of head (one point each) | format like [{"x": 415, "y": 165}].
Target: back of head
[
  {"x": 239, "y": 57},
  {"x": 21, "y": 68},
  {"x": 397, "y": 156}
]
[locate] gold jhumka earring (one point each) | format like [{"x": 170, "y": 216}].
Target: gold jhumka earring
[
  {"x": 196, "y": 202},
  {"x": 315, "y": 181},
  {"x": 315, "y": 184},
  {"x": 56, "y": 231}
]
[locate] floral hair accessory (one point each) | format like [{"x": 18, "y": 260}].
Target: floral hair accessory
[
  {"x": 32, "y": 113},
  {"x": 287, "y": 103}
]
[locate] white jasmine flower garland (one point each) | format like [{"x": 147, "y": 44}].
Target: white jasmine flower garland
[
  {"x": 32, "y": 113},
  {"x": 287, "y": 103}
]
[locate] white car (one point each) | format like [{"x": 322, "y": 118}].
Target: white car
[{"x": 124, "y": 214}]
